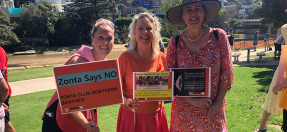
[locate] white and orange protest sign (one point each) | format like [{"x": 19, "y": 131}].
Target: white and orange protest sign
[{"x": 88, "y": 85}]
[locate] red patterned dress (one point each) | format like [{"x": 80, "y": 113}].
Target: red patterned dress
[{"x": 215, "y": 54}]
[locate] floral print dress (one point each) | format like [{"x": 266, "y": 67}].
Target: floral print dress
[{"x": 215, "y": 54}]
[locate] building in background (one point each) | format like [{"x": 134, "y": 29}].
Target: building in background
[
  {"x": 133, "y": 5},
  {"x": 9, "y": 7}
]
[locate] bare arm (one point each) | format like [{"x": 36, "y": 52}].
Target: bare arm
[
  {"x": 3, "y": 89},
  {"x": 280, "y": 86},
  {"x": 226, "y": 80},
  {"x": 217, "y": 103},
  {"x": 269, "y": 37},
  {"x": 220, "y": 95},
  {"x": 202, "y": 103}
]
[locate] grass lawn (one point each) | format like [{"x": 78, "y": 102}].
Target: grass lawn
[
  {"x": 244, "y": 102},
  {"x": 30, "y": 73}
]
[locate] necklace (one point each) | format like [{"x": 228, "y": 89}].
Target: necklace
[{"x": 194, "y": 39}]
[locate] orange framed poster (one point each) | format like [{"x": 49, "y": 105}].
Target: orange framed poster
[
  {"x": 89, "y": 85},
  {"x": 192, "y": 82},
  {"x": 153, "y": 86}
]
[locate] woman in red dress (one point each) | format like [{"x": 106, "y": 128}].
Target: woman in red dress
[{"x": 200, "y": 46}]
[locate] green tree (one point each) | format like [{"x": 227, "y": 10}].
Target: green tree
[
  {"x": 236, "y": 23},
  {"x": 33, "y": 22},
  {"x": 169, "y": 29},
  {"x": 221, "y": 20},
  {"x": 19, "y": 3},
  {"x": 113, "y": 7},
  {"x": 79, "y": 19},
  {"x": 238, "y": 3},
  {"x": 122, "y": 34},
  {"x": 257, "y": 2},
  {"x": 142, "y": 9},
  {"x": 122, "y": 29},
  {"x": 124, "y": 21},
  {"x": 46, "y": 8},
  {"x": 272, "y": 11},
  {"x": 7, "y": 36}
]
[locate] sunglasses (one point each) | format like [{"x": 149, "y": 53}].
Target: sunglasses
[{"x": 104, "y": 21}]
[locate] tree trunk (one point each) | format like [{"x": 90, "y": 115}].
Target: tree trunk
[{"x": 96, "y": 11}]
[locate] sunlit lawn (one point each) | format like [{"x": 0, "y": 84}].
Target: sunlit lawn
[{"x": 244, "y": 102}]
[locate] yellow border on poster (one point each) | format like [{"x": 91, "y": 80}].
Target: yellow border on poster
[
  {"x": 153, "y": 74},
  {"x": 153, "y": 93}
]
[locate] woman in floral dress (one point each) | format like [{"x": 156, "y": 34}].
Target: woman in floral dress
[{"x": 200, "y": 46}]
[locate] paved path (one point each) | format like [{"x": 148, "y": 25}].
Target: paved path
[
  {"x": 33, "y": 85},
  {"x": 42, "y": 84},
  {"x": 255, "y": 61}
]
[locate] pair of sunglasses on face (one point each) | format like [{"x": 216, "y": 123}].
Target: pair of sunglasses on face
[{"x": 104, "y": 21}]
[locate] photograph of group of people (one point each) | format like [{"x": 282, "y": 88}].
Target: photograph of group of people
[{"x": 152, "y": 80}]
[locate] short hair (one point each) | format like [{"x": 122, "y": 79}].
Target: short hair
[
  {"x": 96, "y": 26},
  {"x": 156, "y": 30}
]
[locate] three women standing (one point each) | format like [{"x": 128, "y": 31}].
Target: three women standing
[{"x": 200, "y": 46}]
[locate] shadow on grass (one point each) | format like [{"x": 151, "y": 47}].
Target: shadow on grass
[
  {"x": 16, "y": 65},
  {"x": 264, "y": 78}
]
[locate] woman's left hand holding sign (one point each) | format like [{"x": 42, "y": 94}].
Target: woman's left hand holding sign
[
  {"x": 131, "y": 104},
  {"x": 92, "y": 127}
]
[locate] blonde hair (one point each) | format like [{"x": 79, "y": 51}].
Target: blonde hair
[
  {"x": 284, "y": 32},
  {"x": 98, "y": 24},
  {"x": 156, "y": 30}
]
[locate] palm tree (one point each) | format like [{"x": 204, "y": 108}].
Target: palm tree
[{"x": 113, "y": 6}]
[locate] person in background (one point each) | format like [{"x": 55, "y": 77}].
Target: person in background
[
  {"x": 272, "y": 101},
  {"x": 161, "y": 46},
  {"x": 278, "y": 48},
  {"x": 3, "y": 66},
  {"x": 231, "y": 40},
  {"x": 143, "y": 56},
  {"x": 266, "y": 40},
  {"x": 4, "y": 89},
  {"x": 102, "y": 39},
  {"x": 270, "y": 105},
  {"x": 283, "y": 85},
  {"x": 255, "y": 39},
  {"x": 200, "y": 46}
]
